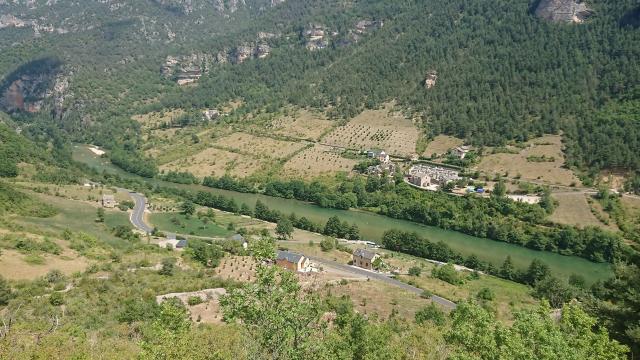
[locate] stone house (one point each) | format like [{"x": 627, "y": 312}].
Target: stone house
[
  {"x": 364, "y": 258},
  {"x": 420, "y": 179},
  {"x": 292, "y": 261},
  {"x": 460, "y": 152}
]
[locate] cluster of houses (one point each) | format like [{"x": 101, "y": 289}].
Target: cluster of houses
[
  {"x": 385, "y": 166},
  {"x": 299, "y": 263},
  {"x": 428, "y": 176}
]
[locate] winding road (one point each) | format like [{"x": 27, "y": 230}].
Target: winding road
[
  {"x": 137, "y": 215},
  {"x": 137, "y": 219}
]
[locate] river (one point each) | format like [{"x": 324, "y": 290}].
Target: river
[{"x": 372, "y": 226}]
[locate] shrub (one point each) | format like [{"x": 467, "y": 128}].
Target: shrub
[
  {"x": 54, "y": 276},
  {"x": 194, "y": 300},
  {"x": 486, "y": 294},
  {"x": 426, "y": 294},
  {"x": 56, "y": 299},
  {"x": 430, "y": 313},
  {"x": 5, "y": 291},
  {"x": 415, "y": 271},
  {"x": 168, "y": 267},
  {"x": 447, "y": 273},
  {"x": 328, "y": 244}
]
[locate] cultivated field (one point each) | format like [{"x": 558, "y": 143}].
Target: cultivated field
[
  {"x": 316, "y": 161},
  {"x": 237, "y": 268},
  {"x": 383, "y": 129},
  {"x": 259, "y": 146},
  {"x": 441, "y": 144},
  {"x": 304, "y": 124},
  {"x": 573, "y": 209},
  {"x": 551, "y": 172},
  {"x": 217, "y": 162}
]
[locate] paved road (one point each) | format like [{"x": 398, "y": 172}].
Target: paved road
[
  {"x": 373, "y": 275},
  {"x": 137, "y": 216},
  {"x": 137, "y": 219}
]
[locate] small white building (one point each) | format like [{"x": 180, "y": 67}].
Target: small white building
[{"x": 378, "y": 154}]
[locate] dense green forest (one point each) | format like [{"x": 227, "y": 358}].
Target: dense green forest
[
  {"x": 77, "y": 72},
  {"x": 502, "y": 73}
]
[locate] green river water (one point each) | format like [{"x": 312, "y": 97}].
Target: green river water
[{"x": 372, "y": 226}]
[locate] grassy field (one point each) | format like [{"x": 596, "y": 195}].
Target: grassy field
[
  {"x": 76, "y": 216},
  {"x": 17, "y": 266},
  {"x": 509, "y": 296},
  {"x": 384, "y": 129},
  {"x": 573, "y": 209},
  {"x": 551, "y": 172},
  {"x": 441, "y": 144},
  {"x": 187, "y": 226}
]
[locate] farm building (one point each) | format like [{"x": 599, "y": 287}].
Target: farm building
[
  {"x": 364, "y": 258},
  {"x": 460, "y": 152},
  {"x": 109, "y": 201},
  {"x": 292, "y": 261},
  {"x": 378, "y": 154}
]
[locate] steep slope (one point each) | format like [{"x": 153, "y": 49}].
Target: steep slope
[{"x": 502, "y": 73}]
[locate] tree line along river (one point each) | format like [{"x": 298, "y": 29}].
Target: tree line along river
[{"x": 372, "y": 226}]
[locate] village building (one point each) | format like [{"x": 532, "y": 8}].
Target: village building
[
  {"x": 460, "y": 152},
  {"x": 426, "y": 175},
  {"x": 378, "y": 170},
  {"x": 364, "y": 258},
  {"x": 109, "y": 201},
  {"x": 420, "y": 179},
  {"x": 381, "y": 155},
  {"x": 292, "y": 261}
]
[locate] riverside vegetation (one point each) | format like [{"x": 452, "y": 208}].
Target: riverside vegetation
[{"x": 489, "y": 73}]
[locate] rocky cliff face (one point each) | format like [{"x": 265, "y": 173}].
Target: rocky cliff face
[
  {"x": 201, "y": 63},
  {"x": 33, "y": 86},
  {"x": 570, "y": 11}
]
